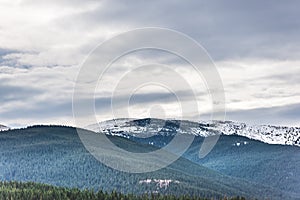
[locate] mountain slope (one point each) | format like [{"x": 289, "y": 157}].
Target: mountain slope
[
  {"x": 238, "y": 156},
  {"x": 55, "y": 155},
  {"x": 273, "y": 165}
]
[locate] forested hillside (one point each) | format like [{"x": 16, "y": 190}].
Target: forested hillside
[{"x": 55, "y": 155}]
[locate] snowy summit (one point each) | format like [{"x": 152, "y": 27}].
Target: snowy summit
[{"x": 149, "y": 127}]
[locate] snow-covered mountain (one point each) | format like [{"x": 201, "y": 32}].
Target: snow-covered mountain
[
  {"x": 149, "y": 127},
  {"x": 3, "y": 128}
]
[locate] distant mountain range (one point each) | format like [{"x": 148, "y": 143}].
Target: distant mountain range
[
  {"x": 237, "y": 166},
  {"x": 149, "y": 127}
]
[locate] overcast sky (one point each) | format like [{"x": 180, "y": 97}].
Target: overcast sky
[{"x": 255, "y": 46}]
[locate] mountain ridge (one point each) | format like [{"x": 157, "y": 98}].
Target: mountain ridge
[{"x": 150, "y": 126}]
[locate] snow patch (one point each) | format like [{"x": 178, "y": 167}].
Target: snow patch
[
  {"x": 160, "y": 183},
  {"x": 4, "y": 128}
]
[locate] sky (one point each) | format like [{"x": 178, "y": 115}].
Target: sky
[{"x": 254, "y": 45}]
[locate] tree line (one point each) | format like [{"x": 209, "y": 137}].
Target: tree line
[{"x": 36, "y": 191}]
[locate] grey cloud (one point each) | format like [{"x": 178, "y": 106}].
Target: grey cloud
[
  {"x": 73, "y": 3},
  {"x": 4, "y": 52},
  {"x": 41, "y": 110},
  {"x": 267, "y": 95},
  {"x": 228, "y": 29},
  {"x": 54, "y": 108},
  {"x": 9, "y": 93},
  {"x": 104, "y": 103},
  {"x": 287, "y": 115},
  {"x": 14, "y": 61},
  {"x": 163, "y": 97},
  {"x": 286, "y": 77}
]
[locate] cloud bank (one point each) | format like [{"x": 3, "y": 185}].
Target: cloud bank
[{"x": 255, "y": 46}]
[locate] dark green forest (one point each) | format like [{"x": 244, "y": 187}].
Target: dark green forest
[{"x": 35, "y": 191}]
